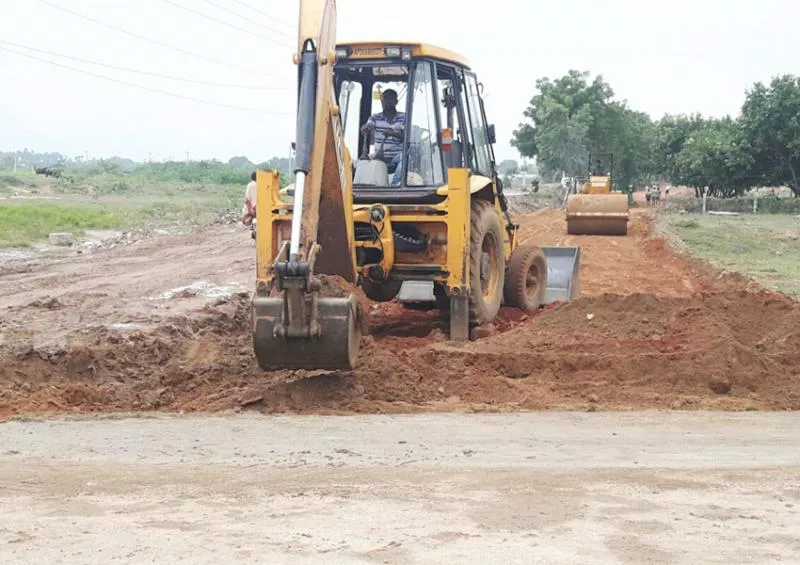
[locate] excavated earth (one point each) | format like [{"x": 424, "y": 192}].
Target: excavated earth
[{"x": 164, "y": 325}]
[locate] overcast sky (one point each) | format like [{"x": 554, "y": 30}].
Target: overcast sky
[{"x": 666, "y": 57}]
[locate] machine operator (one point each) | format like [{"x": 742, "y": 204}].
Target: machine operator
[
  {"x": 389, "y": 128},
  {"x": 599, "y": 171}
]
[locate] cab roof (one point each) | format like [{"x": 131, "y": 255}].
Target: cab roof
[{"x": 365, "y": 50}]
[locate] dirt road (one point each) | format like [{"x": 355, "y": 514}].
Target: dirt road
[
  {"x": 163, "y": 325},
  {"x": 671, "y": 488}
]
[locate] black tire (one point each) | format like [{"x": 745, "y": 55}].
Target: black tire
[
  {"x": 486, "y": 236},
  {"x": 441, "y": 296},
  {"x": 526, "y": 278},
  {"x": 381, "y": 292}
]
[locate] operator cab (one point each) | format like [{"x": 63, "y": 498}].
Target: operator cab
[{"x": 439, "y": 120}]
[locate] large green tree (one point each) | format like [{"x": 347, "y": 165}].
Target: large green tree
[
  {"x": 508, "y": 167},
  {"x": 670, "y": 135},
  {"x": 771, "y": 123},
  {"x": 560, "y": 120},
  {"x": 561, "y": 137},
  {"x": 572, "y": 117},
  {"x": 714, "y": 156},
  {"x": 629, "y": 135}
]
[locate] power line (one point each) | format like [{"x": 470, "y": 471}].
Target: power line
[
  {"x": 263, "y": 13},
  {"x": 248, "y": 20},
  {"x": 245, "y": 86},
  {"x": 232, "y": 26},
  {"x": 134, "y": 85},
  {"x": 155, "y": 42}
]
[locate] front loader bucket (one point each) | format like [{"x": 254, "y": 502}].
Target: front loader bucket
[
  {"x": 597, "y": 214},
  {"x": 416, "y": 291},
  {"x": 563, "y": 268},
  {"x": 336, "y": 348}
]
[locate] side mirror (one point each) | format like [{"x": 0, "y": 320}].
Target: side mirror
[{"x": 491, "y": 134}]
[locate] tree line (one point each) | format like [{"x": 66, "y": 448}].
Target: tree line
[
  {"x": 574, "y": 116},
  {"x": 236, "y": 170}
]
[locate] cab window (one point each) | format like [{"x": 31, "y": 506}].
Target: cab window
[
  {"x": 423, "y": 152},
  {"x": 359, "y": 89},
  {"x": 483, "y": 161}
]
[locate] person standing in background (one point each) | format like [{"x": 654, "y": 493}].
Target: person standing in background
[{"x": 249, "y": 208}]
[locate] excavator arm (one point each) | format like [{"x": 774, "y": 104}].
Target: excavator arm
[
  {"x": 323, "y": 184},
  {"x": 294, "y": 325}
]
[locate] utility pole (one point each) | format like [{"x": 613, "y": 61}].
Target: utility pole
[
  {"x": 149, "y": 157},
  {"x": 15, "y": 162},
  {"x": 187, "y": 157}
]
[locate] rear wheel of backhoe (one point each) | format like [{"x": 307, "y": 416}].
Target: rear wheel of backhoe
[
  {"x": 381, "y": 292},
  {"x": 526, "y": 278},
  {"x": 487, "y": 264}
]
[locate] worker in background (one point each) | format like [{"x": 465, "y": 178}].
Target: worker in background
[
  {"x": 599, "y": 171},
  {"x": 389, "y": 130},
  {"x": 249, "y": 208}
]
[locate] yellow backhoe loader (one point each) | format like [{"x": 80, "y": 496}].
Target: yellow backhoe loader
[
  {"x": 423, "y": 213},
  {"x": 595, "y": 208}
]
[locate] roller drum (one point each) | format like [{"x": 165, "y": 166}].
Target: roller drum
[{"x": 597, "y": 214}]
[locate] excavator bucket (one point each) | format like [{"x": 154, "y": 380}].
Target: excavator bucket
[
  {"x": 597, "y": 214},
  {"x": 334, "y": 348},
  {"x": 563, "y": 268}
]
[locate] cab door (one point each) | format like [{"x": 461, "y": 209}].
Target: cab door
[{"x": 481, "y": 140}]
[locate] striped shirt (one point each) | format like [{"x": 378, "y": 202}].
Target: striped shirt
[{"x": 392, "y": 146}]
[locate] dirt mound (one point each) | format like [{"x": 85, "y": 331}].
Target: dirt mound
[
  {"x": 334, "y": 286},
  {"x": 649, "y": 330},
  {"x": 731, "y": 350}
]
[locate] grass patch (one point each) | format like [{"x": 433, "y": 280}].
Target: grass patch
[
  {"x": 684, "y": 223},
  {"x": 32, "y": 206},
  {"x": 765, "y": 247},
  {"x": 23, "y": 223}
]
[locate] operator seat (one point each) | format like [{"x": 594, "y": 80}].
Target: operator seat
[{"x": 372, "y": 179}]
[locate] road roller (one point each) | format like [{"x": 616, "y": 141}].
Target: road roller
[{"x": 596, "y": 209}]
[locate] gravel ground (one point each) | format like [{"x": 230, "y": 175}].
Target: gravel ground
[{"x": 646, "y": 487}]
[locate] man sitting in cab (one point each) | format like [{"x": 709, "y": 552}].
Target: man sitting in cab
[
  {"x": 389, "y": 129},
  {"x": 599, "y": 171}
]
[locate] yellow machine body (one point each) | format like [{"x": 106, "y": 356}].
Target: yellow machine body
[{"x": 455, "y": 234}]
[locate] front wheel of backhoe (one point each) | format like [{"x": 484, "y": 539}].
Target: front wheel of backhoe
[
  {"x": 487, "y": 264},
  {"x": 526, "y": 278}
]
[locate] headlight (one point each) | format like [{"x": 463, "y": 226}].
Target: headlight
[
  {"x": 376, "y": 214},
  {"x": 392, "y": 51},
  {"x": 406, "y": 54},
  {"x": 342, "y": 52}
]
